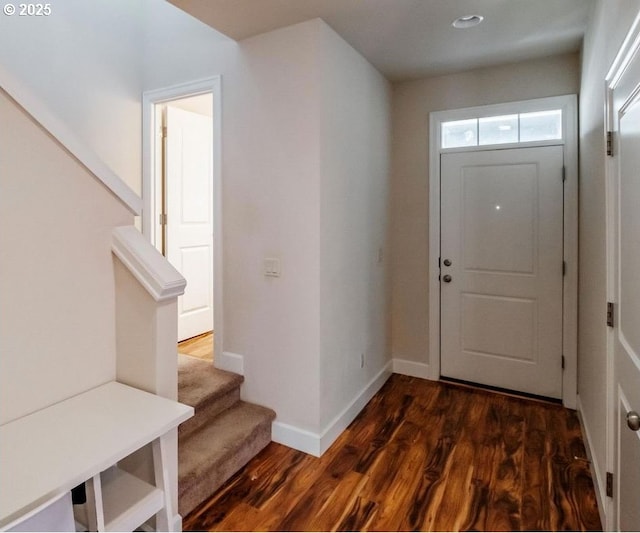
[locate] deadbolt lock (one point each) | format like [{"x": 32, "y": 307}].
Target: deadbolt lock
[{"x": 447, "y": 262}]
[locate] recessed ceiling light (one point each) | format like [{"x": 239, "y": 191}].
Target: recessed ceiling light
[{"x": 468, "y": 21}]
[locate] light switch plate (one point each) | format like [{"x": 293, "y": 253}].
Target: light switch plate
[{"x": 272, "y": 267}]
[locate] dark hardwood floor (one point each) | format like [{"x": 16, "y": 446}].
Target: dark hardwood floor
[{"x": 426, "y": 456}]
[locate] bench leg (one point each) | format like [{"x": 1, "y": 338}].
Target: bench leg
[{"x": 164, "y": 519}]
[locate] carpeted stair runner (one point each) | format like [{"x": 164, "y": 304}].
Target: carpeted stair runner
[{"x": 222, "y": 437}]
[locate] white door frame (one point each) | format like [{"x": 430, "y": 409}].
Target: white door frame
[
  {"x": 150, "y": 136},
  {"x": 569, "y": 106},
  {"x": 628, "y": 49}
]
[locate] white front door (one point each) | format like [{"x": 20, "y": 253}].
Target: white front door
[
  {"x": 625, "y": 219},
  {"x": 189, "y": 201},
  {"x": 501, "y": 268}
]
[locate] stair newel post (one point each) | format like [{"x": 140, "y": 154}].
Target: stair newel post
[{"x": 147, "y": 288}]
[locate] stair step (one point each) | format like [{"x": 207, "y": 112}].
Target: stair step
[
  {"x": 205, "y": 388},
  {"x": 211, "y": 455}
]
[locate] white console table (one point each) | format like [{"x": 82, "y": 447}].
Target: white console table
[{"x": 47, "y": 453}]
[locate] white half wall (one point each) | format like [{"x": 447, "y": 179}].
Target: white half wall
[{"x": 57, "y": 310}]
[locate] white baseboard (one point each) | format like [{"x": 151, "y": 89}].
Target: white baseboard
[
  {"x": 599, "y": 484},
  {"x": 231, "y": 362},
  {"x": 340, "y": 422},
  {"x": 296, "y": 438},
  {"x": 411, "y": 368},
  {"x": 316, "y": 444}
]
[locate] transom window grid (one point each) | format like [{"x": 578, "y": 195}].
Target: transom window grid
[{"x": 502, "y": 129}]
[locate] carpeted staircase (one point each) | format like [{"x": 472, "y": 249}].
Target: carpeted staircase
[{"x": 222, "y": 437}]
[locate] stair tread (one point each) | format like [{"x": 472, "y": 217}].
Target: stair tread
[
  {"x": 221, "y": 438},
  {"x": 199, "y": 382}
]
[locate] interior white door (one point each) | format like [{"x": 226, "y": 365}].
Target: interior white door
[
  {"x": 189, "y": 204},
  {"x": 626, "y": 268},
  {"x": 501, "y": 268}
]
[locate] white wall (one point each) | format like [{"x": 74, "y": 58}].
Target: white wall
[
  {"x": 57, "y": 320},
  {"x": 89, "y": 62},
  {"x": 179, "y": 48},
  {"x": 82, "y": 62},
  {"x": 412, "y": 102},
  {"x": 610, "y": 22},
  {"x": 271, "y": 180},
  {"x": 303, "y": 116},
  {"x": 355, "y": 167}
]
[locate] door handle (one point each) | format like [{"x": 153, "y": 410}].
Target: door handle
[
  {"x": 633, "y": 421},
  {"x": 447, "y": 278}
]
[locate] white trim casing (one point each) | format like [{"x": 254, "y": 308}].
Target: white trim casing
[
  {"x": 28, "y": 101},
  {"x": 569, "y": 106},
  {"x": 149, "y": 214},
  {"x": 146, "y": 264},
  {"x": 318, "y": 443}
]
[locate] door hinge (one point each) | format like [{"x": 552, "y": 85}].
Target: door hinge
[
  {"x": 610, "y": 314},
  {"x": 564, "y": 174},
  {"x": 164, "y": 132},
  {"x": 610, "y": 484},
  {"x": 610, "y": 143},
  {"x": 564, "y": 268},
  {"x": 562, "y": 359},
  {"x": 162, "y": 219}
]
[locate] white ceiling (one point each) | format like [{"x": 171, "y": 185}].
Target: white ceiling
[{"x": 409, "y": 39}]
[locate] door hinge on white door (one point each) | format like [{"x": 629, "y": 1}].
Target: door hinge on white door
[
  {"x": 610, "y": 314},
  {"x": 609, "y": 484},
  {"x": 610, "y": 143},
  {"x": 162, "y": 219},
  {"x": 564, "y": 268},
  {"x": 562, "y": 359},
  {"x": 564, "y": 174}
]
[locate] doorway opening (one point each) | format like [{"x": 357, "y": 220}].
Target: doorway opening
[{"x": 181, "y": 189}]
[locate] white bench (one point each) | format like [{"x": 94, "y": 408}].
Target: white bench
[{"x": 47, "y": 453}]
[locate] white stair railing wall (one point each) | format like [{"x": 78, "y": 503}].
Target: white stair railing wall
[{"x": 53, "y": 197}]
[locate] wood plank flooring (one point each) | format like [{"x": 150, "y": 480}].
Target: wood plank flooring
[
  {"x": 200, "y": 346},
  {"x": 424, "y": 456}
]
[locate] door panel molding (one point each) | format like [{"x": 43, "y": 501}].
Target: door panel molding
[
  {"x": 503, "y": 210},
  {"x": 189, "y": 202},
  {"x": 568, "y": 104}
]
